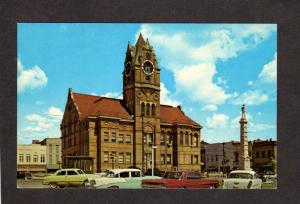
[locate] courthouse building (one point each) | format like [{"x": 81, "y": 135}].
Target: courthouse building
[{"x": 100, "y": 133}]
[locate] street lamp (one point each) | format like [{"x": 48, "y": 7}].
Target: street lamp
[
  {"x": 113, "y": 160},
  {"x": 152, "y": 163}
]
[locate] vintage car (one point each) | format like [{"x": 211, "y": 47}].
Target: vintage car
[
  {"x": 269, "y": 176},
  {"x": 180, "y": 179},
  {"x": 242, "y": 179},
  {"x": 119, "y": 178},
  {"x": 67, "y": 177}
]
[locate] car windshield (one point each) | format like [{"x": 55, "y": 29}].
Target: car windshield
[
  {"x": 240, "y": 175},
  {"x": 79, "y": 171},
  {"x": 172, "y": 175},
  {"x": 111, "y": 174}
]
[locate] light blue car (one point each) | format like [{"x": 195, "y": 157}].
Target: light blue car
[{"x": 120, "y": 179}]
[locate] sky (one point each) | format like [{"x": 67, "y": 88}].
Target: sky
[{"x": 208, "y": 69}]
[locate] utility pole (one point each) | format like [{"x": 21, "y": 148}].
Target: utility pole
[
  {"x": 223, "y": 162},
  {"x": 143, "y": 152},
  {"x": 153, "y": 147}
]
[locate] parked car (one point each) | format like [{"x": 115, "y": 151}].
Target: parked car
[
  {"x": 270, "y": 176},
  {"x": 180, "y": 179},
  {"x": 242, "y": 179},
  {"x": 67, "y": 177},
  {"x": 119, "y": 178}
]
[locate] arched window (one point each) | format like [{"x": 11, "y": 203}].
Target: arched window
[
  {"x": 143, "y": 109},
  {"x": 192, "y": 139},
  {"x": 148, "y": 109},
  {"x": 186, "y": 138},
  {"x": 162, "y": 138},
  {"x": 181, "y": 138},
  {"x": 153, "y": 110}
]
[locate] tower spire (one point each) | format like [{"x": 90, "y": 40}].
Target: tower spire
[{"x": 141, "y": 40}]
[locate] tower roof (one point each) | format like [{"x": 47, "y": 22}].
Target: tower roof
[{"x": 140, "y": 41}]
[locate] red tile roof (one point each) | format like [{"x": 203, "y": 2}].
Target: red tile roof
[
  {"x": 170, "y": 114},
  {"x": 89, "y": 105}
]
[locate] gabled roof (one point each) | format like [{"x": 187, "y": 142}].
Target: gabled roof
[
  {"x": 89, "y": 105},
  {"x": 174, "y": 115}
]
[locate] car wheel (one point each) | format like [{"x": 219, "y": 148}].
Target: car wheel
[
  {"x": 85, "y": 183},
  {"x": 53, "y": 185},
  {"x": 113, "y": 187}
]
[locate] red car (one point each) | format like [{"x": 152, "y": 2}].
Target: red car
[{"x": 180, "y": 179}]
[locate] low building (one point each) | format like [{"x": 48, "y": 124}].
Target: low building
[
  {"x": 226, "y": 155},
  {"x": 53, "y": 153},
  {"x": 264, "y": 152},
  {"x": 31, "y": 158}
]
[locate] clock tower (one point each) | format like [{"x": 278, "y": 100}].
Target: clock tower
[{"x": 141, "y": 97}]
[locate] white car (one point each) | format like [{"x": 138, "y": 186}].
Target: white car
[
  {"x": 115, "y": 176},
  {"x": 242, "y": 179}
]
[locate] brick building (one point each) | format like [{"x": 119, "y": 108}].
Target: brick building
[
  {"x": 264, "y": 151},
  {"x": 99, "y": 133}
]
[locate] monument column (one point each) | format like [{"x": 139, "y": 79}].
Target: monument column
[{"x": 245, "y": 159}]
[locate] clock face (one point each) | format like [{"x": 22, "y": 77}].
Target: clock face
[
  {"x": 148, "y": 67},
  {"x": 128, "y": 69}
]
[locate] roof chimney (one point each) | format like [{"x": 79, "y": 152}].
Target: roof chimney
[{"x": 35, "y": 141}]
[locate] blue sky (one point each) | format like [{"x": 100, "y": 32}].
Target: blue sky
[{"x": 209, "y": 69}]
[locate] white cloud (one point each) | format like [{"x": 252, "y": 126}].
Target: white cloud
[
  {"x": 251, "y": 98},
  {"x": 93, "y": 93},
  {"x": 35, "y": 118},
  {"x": 55, "y": 113},
  {"x": 221, "y": 81},
  {"x": 210, "y": 108},
  {"x": 30, "y": 78},
  {"x": 40, "y": 123},
  {"x": 235, "y": 122},
  {"x": 165, "y": 96},
  {"x": 194, "y": 66},
  {"x": 269, "y": 71},
  {"x": 217, "y": 121},
  {"x": 258, "y": 113},
  {"x": 261, "y": 127},
  {"x": 113, "y": 95},
  {"x": 34, "y": 129},
  {"x": 196, "y": 80},
  {"x": 255, "y": 96}
]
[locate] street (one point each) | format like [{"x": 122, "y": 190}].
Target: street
[
  {"x": 30, "y": 183},
  {"x": 37, "y": 183}
]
